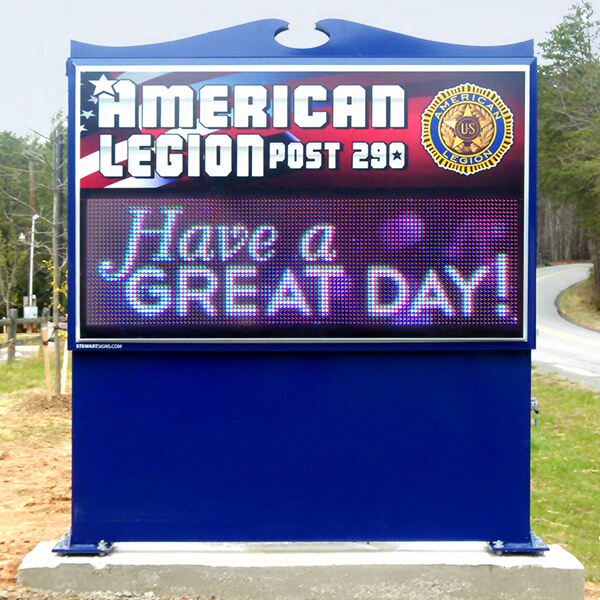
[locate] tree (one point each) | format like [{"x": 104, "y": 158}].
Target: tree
[
  {"x": 25, "y": 189},
  {"x": 13, "y": 219},
  {"x": 569, "y": 122},
  {"x": 12, "y": 259}
]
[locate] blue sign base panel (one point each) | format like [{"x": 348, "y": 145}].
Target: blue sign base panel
[{"x": 306, "y": 446}]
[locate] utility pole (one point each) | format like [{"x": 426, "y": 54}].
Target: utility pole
[
  {"x": 56, "y": 282},
  {"x": 31, "y": 216},
  {"x": 32, "y": 246},
  {"x": 31, "y": 190}
]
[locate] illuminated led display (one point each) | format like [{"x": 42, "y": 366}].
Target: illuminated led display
[
  {"x": 360, "y": 205},
  {"x": 206, "y": 267}
]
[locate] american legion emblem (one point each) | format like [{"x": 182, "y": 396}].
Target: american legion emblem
[{"x": 467, "y": 129}]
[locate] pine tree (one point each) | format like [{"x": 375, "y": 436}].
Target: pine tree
[{"x": 569, "y": 121}]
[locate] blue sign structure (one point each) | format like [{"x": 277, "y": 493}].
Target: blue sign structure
[{"x": 302, "y": 298}]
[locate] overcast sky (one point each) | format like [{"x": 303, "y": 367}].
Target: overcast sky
[{"x": 34, "y": 43}]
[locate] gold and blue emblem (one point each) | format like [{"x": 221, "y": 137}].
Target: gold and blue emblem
[{"x": 467, "y": 129}]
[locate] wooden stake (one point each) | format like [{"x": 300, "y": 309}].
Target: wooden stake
[
  {"x": 63, "y": 379},
  {"x": 47, "y": 363}
]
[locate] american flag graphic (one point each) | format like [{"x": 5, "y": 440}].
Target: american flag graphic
[{"x": 420, "y": 88}]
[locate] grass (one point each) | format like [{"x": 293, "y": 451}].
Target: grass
[
  {"x": 581, "y": 304},
  {"x": 565, "y": 469},
  {"x": 26, "y": 374}
]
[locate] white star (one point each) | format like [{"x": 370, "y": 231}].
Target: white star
[
  {"x": 82, "y": 128},
  {"x": 104, "y": 85},
  {"x": 86, "y": 114},
  {"x": 93, "y": 100}
]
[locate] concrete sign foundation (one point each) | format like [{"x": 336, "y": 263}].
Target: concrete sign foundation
[{"x": 306, "y": 571}]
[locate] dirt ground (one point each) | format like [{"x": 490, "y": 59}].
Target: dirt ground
[
  {"x": 35, "y": 490},
  {"x": 35, "y": 479}
]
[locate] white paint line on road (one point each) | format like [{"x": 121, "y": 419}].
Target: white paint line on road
[{"x": 576, "y": 370}]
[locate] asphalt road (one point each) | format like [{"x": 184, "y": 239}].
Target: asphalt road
[{"x": 563, "y": 347}]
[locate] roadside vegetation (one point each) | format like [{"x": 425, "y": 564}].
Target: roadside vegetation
[
  {"x": 22, "y": 375},
  {"x": 565, "y": 469},
  {"x": 581, "y": 304}
]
